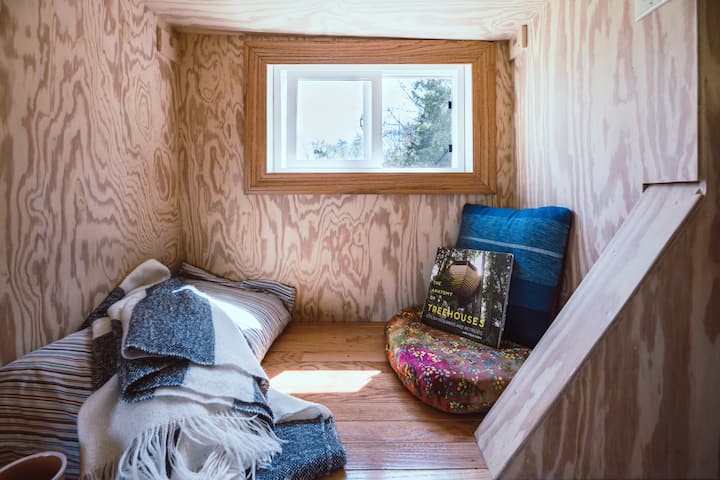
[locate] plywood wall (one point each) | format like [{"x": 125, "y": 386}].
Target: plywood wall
[
  {"x": 352, "y": 257},
  {"x": 594, "y": 398},
  {"x": 88, "y": 178},
  {"x": 645, "y": 403},
  {"x": 604, "y": 105},
  {"x": 642, "y": 402}
]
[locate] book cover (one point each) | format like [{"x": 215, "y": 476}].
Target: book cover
[{"x": 468, "y": 293}]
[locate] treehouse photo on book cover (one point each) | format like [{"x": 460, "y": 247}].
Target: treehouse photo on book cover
[{"x": 468, "y": 293}]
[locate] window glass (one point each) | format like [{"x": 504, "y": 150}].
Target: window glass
[
  {"x": 357, "y": 118},
  {"x": 417, "y": 122},
  {"x": 330, "y": 122}
]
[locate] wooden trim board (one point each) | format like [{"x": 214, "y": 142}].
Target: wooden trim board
[{"x": 261, "y": 52}]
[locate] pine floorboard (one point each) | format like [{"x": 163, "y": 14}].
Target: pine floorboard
[{"x": 388, "y": 433}]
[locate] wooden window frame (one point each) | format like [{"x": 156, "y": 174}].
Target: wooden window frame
[{"x": 261, "y": 52}]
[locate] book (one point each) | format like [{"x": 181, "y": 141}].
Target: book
[{"x": 468, "y": 293}]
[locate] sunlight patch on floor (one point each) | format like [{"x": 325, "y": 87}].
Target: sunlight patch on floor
[{"x": 322, "y": 381}]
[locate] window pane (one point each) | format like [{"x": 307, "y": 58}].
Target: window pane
[
  {"x": 417, "y": 122},
  {"x": 330, "y": 120}
]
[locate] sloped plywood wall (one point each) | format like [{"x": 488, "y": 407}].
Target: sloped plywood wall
[
  {"x": 88, "y": 184},
  {"x": 643, "y": 402},
  {"x": 604, "y": 105},
  {"x": 602, "y": 383},
  {"x": 352, "y": 257}
]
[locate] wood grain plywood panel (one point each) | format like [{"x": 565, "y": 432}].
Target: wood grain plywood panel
[
  {"x": 352, "y": 257},
  {"x": 644, "y": 402},
  {"x": 455, "y": 19},
  {"x": 595, "y": 307},
  {"x": 88, "y": 179},
  {"x": 644, "y": 405},
  {"x": 604, "y": 105}
]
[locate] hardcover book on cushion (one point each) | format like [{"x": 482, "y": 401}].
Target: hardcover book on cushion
[
  {"x": 468, "y": 293},
  {"x": 537, "y": 238}
]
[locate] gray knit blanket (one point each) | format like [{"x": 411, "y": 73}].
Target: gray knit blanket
[{"x": 189, "y": 399}]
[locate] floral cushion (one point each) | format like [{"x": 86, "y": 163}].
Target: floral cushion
[{"x": 451, "y": 373}]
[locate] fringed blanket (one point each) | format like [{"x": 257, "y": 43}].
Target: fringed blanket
[{"x": 189, "y": 399}]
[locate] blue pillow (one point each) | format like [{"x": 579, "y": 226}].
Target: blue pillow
[{"x": 538, "y": 238}]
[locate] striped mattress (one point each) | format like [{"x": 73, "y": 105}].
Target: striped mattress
[{"x": 40, "y": 395}]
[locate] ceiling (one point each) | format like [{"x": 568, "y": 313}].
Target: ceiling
[{"x": 449, "y": 19}]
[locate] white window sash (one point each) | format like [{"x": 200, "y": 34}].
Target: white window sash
[{"x": 282, "y": 115}]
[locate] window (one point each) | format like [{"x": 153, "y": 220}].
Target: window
[{"x": 369, "y": 116}]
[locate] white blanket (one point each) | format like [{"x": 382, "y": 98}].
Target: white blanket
[{"x": 185, "y": 406}]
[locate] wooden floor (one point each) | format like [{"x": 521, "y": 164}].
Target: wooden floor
[{"x": 388, "y": 434}]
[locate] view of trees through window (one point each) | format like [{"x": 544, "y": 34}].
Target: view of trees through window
[{"x": 416, "y": 126}]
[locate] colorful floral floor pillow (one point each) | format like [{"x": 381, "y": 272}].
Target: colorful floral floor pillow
[{"x": 451, "y": 373}]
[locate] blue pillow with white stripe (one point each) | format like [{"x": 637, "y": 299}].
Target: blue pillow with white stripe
[{"x": 538, "y": 238}]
